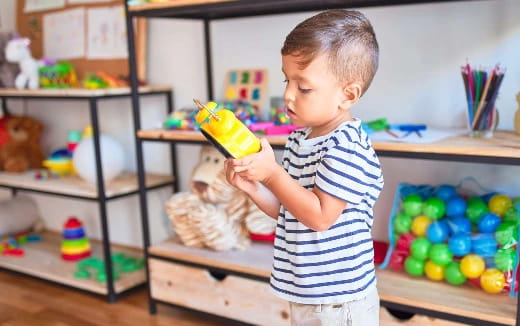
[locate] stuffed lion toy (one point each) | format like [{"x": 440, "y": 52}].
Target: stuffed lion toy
[{"x": 215, "y": 214}]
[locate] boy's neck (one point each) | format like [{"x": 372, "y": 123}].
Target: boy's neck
[{"x": 324, "y": 129}]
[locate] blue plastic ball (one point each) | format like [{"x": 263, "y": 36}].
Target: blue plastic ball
[
  {"x": 445, "y": 192},
  {"x": 459, "y": 224},
  {"x": 489, "y": 223},
  {"x": 437, "y": 232},
  {"x": 460, "y": 244},
  {"x": 487, "y": 197},
  {"x": 484, "y": 245},
  {"x": 455, "y": 206}
]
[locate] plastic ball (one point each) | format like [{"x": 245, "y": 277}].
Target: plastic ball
[
  {"x": 404, "y": 241},
  {"x": 511, "y": 215},
  {"x": 488, "y": 223},
  {"x": 453, "y": 275},
  {"x": 414, "y": 266},
  {"x": 420, "y": 225},
  {"x": 112, "y": 158},
  {"x": 472, "y": 266},
  {"x": 440, "y": 254},
  {"x": 459, "y": 224},
  {"x": 505, "y": 259},
  {"x": 433, "y": 271},
  {"x": 476, "y": 209},
  {"x": 420, "y": 248},
  {"x": 506, "y": 234},
  {"x": 437, "y": 232},
  {"x": 456, "y": 206},
  {"x": 445, "y": 192},
  {"x": 487, "y": 196},
  {"x": 397, "y": 259},
  {"x": 460, "y": 244},
  {"x": 402, "y": 223},
  {"x": 434, "y": 208},
  {"x": 492, "y": 280},
  {"x": 499, "y": 203},
  {"x": 412, "y": 205},
  {"x": 484, "y": 245}
]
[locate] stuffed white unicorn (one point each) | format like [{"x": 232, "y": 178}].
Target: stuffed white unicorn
[{"x": 17, "y": 51}]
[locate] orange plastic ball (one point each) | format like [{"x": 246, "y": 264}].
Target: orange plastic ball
[
  {"x": 472, "y": 266},
  {"x": 433, "y": 271},
  {"x": 420, "y": 225},
  {"x": 492, "y": 280},
  {"x": 499, "y": 204}
]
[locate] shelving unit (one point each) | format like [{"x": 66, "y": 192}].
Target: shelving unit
[
  {"x": 177, "y": 273},
  {"x": 43, "y": 260}
]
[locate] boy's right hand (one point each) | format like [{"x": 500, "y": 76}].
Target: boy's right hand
[{"x": 236, "y": 180}]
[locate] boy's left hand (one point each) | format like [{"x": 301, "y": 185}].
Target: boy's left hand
[{"x": 260, "y": 166}]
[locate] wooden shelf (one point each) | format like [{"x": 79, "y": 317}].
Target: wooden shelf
[
  {"x": 192, "y": 136},
  {"x": 504, "y": 144},
  {"x": 43, "y": 260},
  {"x": 219, "y": 9},
  {"x": 393, "y": 287},
  {"x": 78, "y": 92},
  {"x": 73, "y": 186}
]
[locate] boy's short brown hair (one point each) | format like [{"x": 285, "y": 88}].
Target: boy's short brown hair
[{"x": 348, "y": 39}]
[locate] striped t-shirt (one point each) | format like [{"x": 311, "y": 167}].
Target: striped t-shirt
[{"x": 336, "y": 265}]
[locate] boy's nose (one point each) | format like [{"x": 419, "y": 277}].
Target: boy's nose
[{"x": 288, "y": 95}]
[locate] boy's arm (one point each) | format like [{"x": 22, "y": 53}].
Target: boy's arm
[
  {"x": 315, "y": 209},
  {"x": 265, "y": 200}
]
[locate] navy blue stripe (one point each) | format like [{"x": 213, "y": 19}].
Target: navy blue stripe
[
  {"x": 324, "y": 240},
  {"x": 348, "y": 176},
  {"x": 335, "y": 226},
  {"x": 337, "y": 185},
  {"x": 321, "y": 295},
  {"x": 291, "y": 150},
  {"x": 326, "y": 262},
  {"x": 308, "y": 175},
  {"x": 298, "y": 166},
  {"x": 337, "y": 271},
  {"x": 352, "y": 165},
  {"x": 322, "y": 252},
  {"x": 358, "y": 154},
  {"x": 317, "y": 285},
  {"x": 344, "y": 132}
]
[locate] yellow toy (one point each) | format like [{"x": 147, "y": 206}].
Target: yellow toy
[{"x": 222, "y": 128}]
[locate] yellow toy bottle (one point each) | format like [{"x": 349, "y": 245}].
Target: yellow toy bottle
[{"x": 228, "y": 134}]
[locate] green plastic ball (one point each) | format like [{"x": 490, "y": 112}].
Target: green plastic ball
[
  {"x": 476, "y": 209},
  {"x": 511, "y": 215},
  {"x": 402, "y": 223},
  {"x": 412, "y": 205},
  {"x": 420, "y": 248},
  {"x": 453, "y": 275},
  {"x": 434, "y": 208},
  {"x": 440, "y": 254},
  {"x": 506, "y": 234},
  {"x": 505, "y": 259},
  {"x": 414, "y": 266}
]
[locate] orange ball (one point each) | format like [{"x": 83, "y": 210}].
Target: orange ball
[
  {"x": 492, "y": 280},
  {"x": 472, "y": 266},
  {"x": 420, "y": 225},
  {"x": 433, "y": 271}
]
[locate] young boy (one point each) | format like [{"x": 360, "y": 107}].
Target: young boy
[{"x": 323, "y": 195}]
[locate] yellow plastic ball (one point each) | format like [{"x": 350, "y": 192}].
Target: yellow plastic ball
[
  {"x": 420, "y": 225},
  {"x": 433, "y": 271},
  {"x": 472, "y": 266},
  {"x": 499, "y": 204},
  {"x": 492, "y": 280}
]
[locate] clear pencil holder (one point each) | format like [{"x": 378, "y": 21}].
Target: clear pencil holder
[{"x": 485, "y": 129}]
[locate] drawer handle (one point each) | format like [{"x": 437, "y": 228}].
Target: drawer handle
[
  {"x": 399, "y": 314},
  {"x": 218, "y": 275}
]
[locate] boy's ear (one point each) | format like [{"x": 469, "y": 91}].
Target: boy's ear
[{"x": 351, "y": 94}]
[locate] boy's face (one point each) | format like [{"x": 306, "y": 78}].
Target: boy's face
[{"x": 313, "y": 96}]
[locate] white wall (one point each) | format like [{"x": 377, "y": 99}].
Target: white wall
[
  {"x": 7, "y": 15},
  {"x": 422, "y": 47}
]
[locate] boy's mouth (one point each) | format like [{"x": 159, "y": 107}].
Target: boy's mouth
[{"x": 289, "y": 111}]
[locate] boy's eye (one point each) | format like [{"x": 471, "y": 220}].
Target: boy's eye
[
  {"x": 285, "y": 81},
  {"x": 304, "y": 90}
]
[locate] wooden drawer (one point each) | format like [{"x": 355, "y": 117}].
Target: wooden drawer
[
  {"x": 232, "y": 296},
  {"x": 386, "y": 319}
]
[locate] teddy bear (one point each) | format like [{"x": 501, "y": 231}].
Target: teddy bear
[
  {"x": 20, "y": 143},
  {"x": 8, "y": 70},
  {"x": 215, "y": 214}
]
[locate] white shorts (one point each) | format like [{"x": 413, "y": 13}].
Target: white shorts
[{"x": 364, "y": 312}]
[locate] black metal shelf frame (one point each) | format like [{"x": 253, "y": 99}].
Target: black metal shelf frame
[
  {"x": 247, "y": 8},
  {"x": 101, "y": 197}
]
